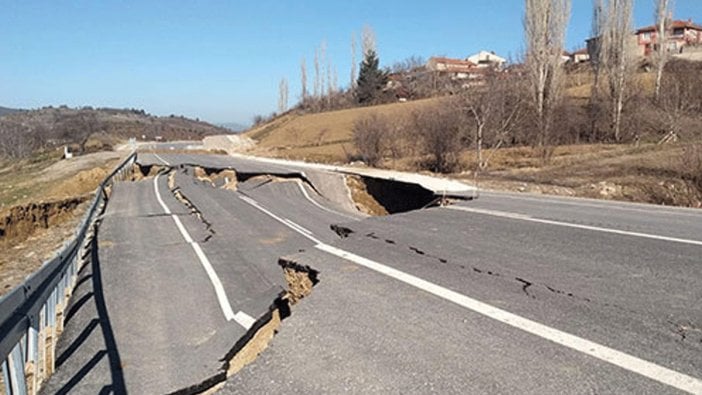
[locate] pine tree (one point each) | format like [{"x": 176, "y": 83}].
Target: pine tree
[{"x": 371, "y": 79}]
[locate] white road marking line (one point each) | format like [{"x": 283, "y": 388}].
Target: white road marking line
[
  {"x": 279, "y": 219},
  {"x": 571, "y": 225},
  {"x": 618, "y": 205},
  {"x": 304, "y": 192},
  {"x": 214, "y": 279},
  {"x": 631, "y": 363},
  {"x": 244, "y": 320},
  {"x": 165, "y": 162},
  {"x": 299, "y": 227},
  {"x": 648, "y": 369}
]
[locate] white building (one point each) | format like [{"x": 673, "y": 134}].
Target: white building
[{"x": 487, "y": 59}]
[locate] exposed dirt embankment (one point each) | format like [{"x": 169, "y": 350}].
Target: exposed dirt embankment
[
  {"x": 21, "y": 221},
  {"x": 33, "y": 233},
  {"x": 42, "y": 201}
]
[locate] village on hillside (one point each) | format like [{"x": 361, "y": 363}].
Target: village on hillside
[{"x": 684, "y": 41}]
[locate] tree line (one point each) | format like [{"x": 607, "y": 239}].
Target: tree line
[{"x": 529, "y": 106}]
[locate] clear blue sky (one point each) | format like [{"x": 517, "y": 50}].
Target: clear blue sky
[{"x": 222, "y": 61}]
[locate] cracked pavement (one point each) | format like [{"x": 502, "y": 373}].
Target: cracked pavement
[{"x": 361, "y": 331}]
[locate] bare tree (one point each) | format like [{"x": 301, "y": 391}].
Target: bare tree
[
  {"x": 79, "y": 127},
  {"x": 494, "y": 110},
  {"x": 322, "y": 63},
  {"x": 282, "y": 96},
  {"x": 317, "y": 75},
  {"x": 330, "y": 80},
  {"x": 438, "y": 128},
  {"x": 663, "y": 11},
  {"x": 354, "y": 72},
  {"x": 680, "y": 102},
  {"x": 545, "y": 25},
  {"x": 598, "y": 22},
  {"x": 369, "y": 138},
  {"x": 368, "y": 42},
  {"x": 303, "y": 80},
  {"x": 616, "y": 57}
]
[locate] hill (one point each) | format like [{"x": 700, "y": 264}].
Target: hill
[
  {"x": 5, "y": 111},
  {"x": 25, "y": 131},
  {"x": 233, "y": 126},
  {"x": 324, "y": 137},
  {"x": 650, "y": 172}
]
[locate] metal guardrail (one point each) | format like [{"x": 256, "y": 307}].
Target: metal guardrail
[{"x": 31, "y": 315}]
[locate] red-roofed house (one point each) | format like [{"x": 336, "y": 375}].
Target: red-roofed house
[
  {"x": 456, "y": 68},
  {"x": 682, "y": 34}
]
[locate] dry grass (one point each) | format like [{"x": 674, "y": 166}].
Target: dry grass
[
  {"x": 325, "y": 137},
  {"x": 44, "y": 180},
  {"x": 649, "y": 173}
]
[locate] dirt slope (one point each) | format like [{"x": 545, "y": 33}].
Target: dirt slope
[{"x": 323, "y": 137}]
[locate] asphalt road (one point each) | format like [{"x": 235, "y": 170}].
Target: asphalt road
[{"x": 504, "y": 294}]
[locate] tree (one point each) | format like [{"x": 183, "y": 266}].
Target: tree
[
  {"x": 545, "y": 23},
  {"x": 303, "y": 80},
  {"x": 494, "y": 111},
  {"x": 368, "y": 136},
  {"x": 371, "y": 79},
  {"x": 80, "y": 126},
  {"x": 352, "y": 83},
  {"x": 283, "y": 96},
  {"x": 594, "y": 105},
  {"x": 662, "y": 26},
  {"x": 317, "y": 75},
  {"x": 616, "y": 58},
  {"x": 438, "y": 128}
]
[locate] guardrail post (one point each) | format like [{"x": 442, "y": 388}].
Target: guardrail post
[
  {"x": 50, "y": 335},
  {"x": 41, "y": 346},
  {"x": 30, "y": 368},
  {"x": 13, "y": 372},
  {"x": 60, "y": 297},
  {"x": 6, "y": 377}
]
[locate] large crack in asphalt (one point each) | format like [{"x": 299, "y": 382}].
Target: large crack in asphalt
[
  {"x": 175, "y": 190},
  {"x": 300, "y": 279}
]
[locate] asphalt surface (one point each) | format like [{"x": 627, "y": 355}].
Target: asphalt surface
[{"x": 503, "y": 294}]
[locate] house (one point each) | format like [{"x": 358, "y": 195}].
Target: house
[
  {"x": 630, "y": 46},
  {"x": 580, "y": 56},
  {"x": 681, "y": 35},
  {"x": 487, "y": 59},
  {"x": 456, "y": 68}
]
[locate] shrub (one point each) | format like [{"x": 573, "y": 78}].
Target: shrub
[{"x": 369, "y": 138}]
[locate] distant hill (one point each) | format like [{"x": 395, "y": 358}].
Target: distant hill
[
  {"x": 233, "y": 126},
  {"x": 5, "y": 111},
  {"x": 22, "y": 132}
]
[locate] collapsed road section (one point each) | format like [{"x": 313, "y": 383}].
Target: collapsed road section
[{"x": 192, "y": 272}]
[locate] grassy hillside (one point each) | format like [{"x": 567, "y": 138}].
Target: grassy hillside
[
  {"x": 324, "y": 137},
  {"x": 664, "y": 174}
]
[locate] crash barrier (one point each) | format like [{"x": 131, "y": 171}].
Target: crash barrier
[{"x": 32, "y": 314}]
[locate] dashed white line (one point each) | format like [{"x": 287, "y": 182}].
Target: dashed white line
[
  {"x": 576, "y": 226},
  {"x": 241, "y": 318}
]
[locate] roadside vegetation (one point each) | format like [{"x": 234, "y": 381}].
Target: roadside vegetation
[
  {"x": 618, "y": 127},
  {"x": 42, "y": 195}
]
